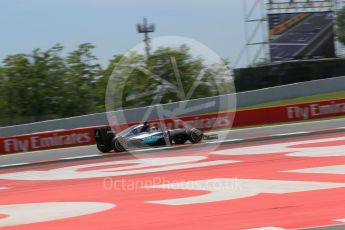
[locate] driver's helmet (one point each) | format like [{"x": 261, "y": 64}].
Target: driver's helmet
[
  {"x": 146, "y": 127},
  {"x": 154, "y": 128}
]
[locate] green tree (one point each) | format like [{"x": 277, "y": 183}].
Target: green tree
[
  {"x": 33, "y": 86},
  {"x": 341, "y": 26},
  {"x": 16, "y": 79},
  {"x": 3, "y": 96},
  {"x": 122, "y": 80},
  {"x": 47, "y": 82},
  {"x": 102, "y": 82},
  {"x": 174, "y": 65},
  {"x": 82, "y": 73},
  {"x": 169, "y": 75}
]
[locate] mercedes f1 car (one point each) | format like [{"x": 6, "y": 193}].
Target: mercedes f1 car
[{"x": 143, "y": 135}]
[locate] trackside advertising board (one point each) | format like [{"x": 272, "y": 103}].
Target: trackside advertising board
[
  {"x": 288, "y": 113},
  {"x": 47, "y": 140},
  {"x": 261, "y": 116}
]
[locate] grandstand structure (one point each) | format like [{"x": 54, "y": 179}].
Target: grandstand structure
[
  {"x": 263, "y": 23},
  {"x": 292, "y": 6},
  {"x": 290, "y": 41}
]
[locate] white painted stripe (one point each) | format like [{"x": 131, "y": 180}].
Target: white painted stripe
[
  {"x": 32, "y": 213},
  {"x": 140, "y": 166},
  {"x": 223, "y": 141},
  {"x": 80, "y": 157},
  {"x": 341, "y": 220},
  {"x": 288, "y": 149},
  {"x": 334, "y": 170},
  {"x": 149, "y": 149},
  {"x": 55, "y": 130},
  {"x": 96, "y": 155},
  {"x": 266, "y": 228},
  {"x": 10, "y": 165},
  {"x": 174, "y": 146},
  {"x": 289, "y": 134},
  {"x": 224, "y": 189},
  {"x": 48, "y": 150},
  {"x": 288, "y": 124}
]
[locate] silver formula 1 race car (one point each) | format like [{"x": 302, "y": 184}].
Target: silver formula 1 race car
[{"x": 143, "y": 135}]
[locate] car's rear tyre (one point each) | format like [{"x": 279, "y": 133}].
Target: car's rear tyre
[
  {"x": 119, "y": 144},
  {"x": 179, "y": 139},
  {"x": 104, "y": 148},
  {"x": 196, "y": 136}
]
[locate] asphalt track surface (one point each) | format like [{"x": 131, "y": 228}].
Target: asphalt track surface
[
  {"x": 232, "y": 135},
  {"x": 280, "y": 177}
]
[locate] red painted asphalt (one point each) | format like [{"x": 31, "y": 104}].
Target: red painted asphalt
[{"x": 227, "y": 189}]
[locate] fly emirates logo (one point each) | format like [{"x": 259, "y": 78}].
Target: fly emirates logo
[
  {"x": 37, "y": 142},
  {"x": 315, "y": 110}
]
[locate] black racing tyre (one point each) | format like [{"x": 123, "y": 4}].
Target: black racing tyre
[
  {"x": 104, "y": 148},
  {"x": 119, "y": 144},
  {"x": 179, "y": 139},
  {"x": 196, "y": 136}
]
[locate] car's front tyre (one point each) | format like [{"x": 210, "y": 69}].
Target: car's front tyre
[{"x": 195, "y": 136}]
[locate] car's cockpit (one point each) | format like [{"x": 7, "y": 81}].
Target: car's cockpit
[{"x": 137, "y": 129}]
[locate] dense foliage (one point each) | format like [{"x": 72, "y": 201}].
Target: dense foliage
[
  {"x": 341, "y": 26},
  {"x": 47, "y": 84}
]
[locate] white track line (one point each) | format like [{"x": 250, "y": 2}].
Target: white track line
[
  {"x": 10, "y": 165},
  {"x": 80, "y": 157},
  {"x": 288, "y": 124},
  {"x": 48, "y": 150},
  {"x": 267, "y": 228},
  {"x": 289, "y": 134},
  {"x": 341, "y": 220}
]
